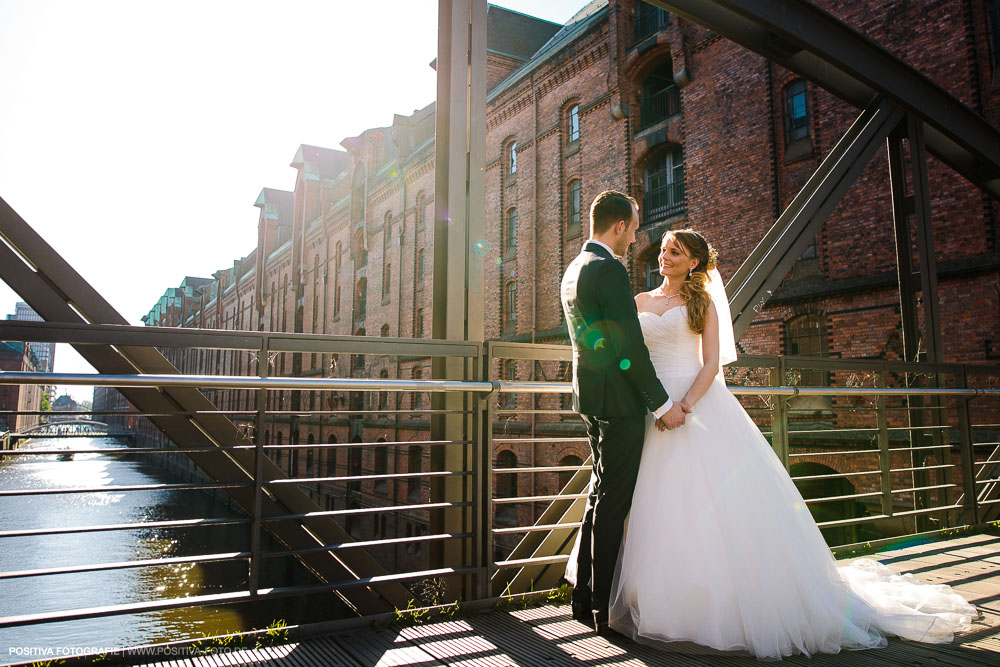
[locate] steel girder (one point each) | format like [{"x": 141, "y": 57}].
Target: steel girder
[
  {"x": 768, "y": 264},
  {"x": 58, "y": 293},
  {"x": 806, "y": 40}
]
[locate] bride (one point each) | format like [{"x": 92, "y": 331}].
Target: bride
[{"x": 721, "y": 549}]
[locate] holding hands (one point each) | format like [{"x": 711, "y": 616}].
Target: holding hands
[{"x": 673, "y": 417}]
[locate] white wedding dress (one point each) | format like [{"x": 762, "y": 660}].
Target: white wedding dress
[{"x": 722, "y": 551}]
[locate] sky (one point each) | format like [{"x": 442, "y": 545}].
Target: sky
[{"x": 136, "y": 136}]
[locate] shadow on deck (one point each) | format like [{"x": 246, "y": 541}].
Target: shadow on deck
[{"x": 548, "y": 636}]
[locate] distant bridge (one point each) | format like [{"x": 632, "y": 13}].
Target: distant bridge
[{"x": 77, "y": 428}]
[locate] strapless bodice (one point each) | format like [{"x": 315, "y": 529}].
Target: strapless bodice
[{"x": 674, "y": 349}]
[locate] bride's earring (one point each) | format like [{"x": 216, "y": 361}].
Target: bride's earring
[{"x": 689, "y": 273}]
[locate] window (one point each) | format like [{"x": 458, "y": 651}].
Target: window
[
  {"x": 566, "y": 475},
  {"x": 796, "y": 111},
  {"x": 381, "y": 464},
  {"x": 416, "y": 399},
  {"x": 513, "y": 158},
  {"x": 664, "y": 185},
  {"x": 336, "y": 281},
  {"x": 316, "y": 294},
  {"x": 661, "y": 98},
  {"x": 386, "y": 279},
  {"x": 574, "y": 123},
  {"x": 573, "y": 208},
  {"x": 510, "y": 231},
  {"x": 804, "y": 336},
  {"x": 384, "y": 332},
  {"x": 653, "y": 277},
  {"x": 413, "y": 465},
  {"x": 354, "y": 463},
  {"x": 383, "y": 396},
  {"x": 362, "y": 258},
  {"x": 505, "y": 486},
  {"x": 510, "y": 310},
  {"x": 386, "y": 249},
  {"x": 420, "y": 266},
  {"x": 418, "y": 326},
  {"x": 361, "y": 299},
  {"x": 649, "y": 19},
  {"x": 509, "y": 400}
]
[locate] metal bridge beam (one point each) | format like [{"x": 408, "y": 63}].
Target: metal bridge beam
[
  {"x": 58, "y": 293},
  {"x": 814, "y": 44},
  {"x": 761, "y": 273}
]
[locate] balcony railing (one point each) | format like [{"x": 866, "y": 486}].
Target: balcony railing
[
  {"x": 659, "y": 106},
  {"x": 663, "y": 201},
  {"x": 649, "y": 19},
  {"x": 917, "y": 446}
]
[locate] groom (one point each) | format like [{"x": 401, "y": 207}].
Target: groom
[{"x": 614, "y": 386}]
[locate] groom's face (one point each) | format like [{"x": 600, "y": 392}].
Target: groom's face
[{"x": 628, "y": 236}]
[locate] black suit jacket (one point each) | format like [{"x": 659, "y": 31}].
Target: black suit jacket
[{"x": 612, "y": 373}]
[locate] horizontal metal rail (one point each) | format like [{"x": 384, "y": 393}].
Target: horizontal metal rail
[{"x": 127, "y": 564}]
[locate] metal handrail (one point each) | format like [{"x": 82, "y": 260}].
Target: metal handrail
[{"x": 557, "y": 528}]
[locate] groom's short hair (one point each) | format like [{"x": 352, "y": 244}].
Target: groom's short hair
[{"x": 608, "y": 208}]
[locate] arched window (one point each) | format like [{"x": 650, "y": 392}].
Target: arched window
[
  {"x": 384, "y": 332},
  {"x": 566, "y": 475},
  {"x": 510, "y": 306},
  {"x": 509, "y": 400},
  {"x": 413, "y": 465},
  {"x": 510, "y": 231},
  {"x": 331, "y": 457},
  {"x": 354, "y": 463},
  {"x": 664, "y": 185},
  {"x": 661, "y": 98},
  {"x": 418, "y": 327},
  {"x": 420, "y": 268},
  {"x": 358, "y": 195},
  {"x": 512, "y": 158},
  {"x": 386, "y": 263},
  {"x": 336, "y": 280},
  {"x": 573, "y": 123},
  {"x": 505, "y": 486},
  {"x": 381, "y": 464},
  {"x": 361, "y": 299},
  {"x": 383, "y": 396},
  {"x": 316, "y": 295},
  {"x": 796, "y": 111},
  {"x": 416, "y": 398},
  {"x": 805, "y": 336},
  {"x": 386, "y": 279},
  {"x": 573, "y": 208}
]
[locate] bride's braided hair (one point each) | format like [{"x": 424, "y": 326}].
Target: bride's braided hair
[{"x": 694, "y": 290}]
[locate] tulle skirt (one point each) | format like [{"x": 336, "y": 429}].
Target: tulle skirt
[{"x": 722, "y": 551}]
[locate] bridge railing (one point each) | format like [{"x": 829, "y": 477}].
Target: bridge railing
[{"x": 880, "y": 450}]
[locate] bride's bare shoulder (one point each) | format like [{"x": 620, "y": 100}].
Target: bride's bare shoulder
[{"x": 642, "y": 297}]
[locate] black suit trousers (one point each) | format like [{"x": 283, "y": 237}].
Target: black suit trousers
[{"x": 617, "y": 449}]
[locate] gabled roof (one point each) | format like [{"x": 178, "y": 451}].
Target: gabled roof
[
  {"x": 582, "y": 21},
  {"x": 514, "y": 34},
  {"x": 324, "y": 162},
  {"x": 281, "y": 202}
]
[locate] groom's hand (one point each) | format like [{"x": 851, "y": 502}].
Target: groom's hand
[{"x": 673, "y": 417}]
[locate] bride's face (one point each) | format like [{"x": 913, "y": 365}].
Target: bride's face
[{"x": 674, "y": 259}]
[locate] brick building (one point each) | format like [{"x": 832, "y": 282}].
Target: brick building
[{"x": 702, "y": 132}]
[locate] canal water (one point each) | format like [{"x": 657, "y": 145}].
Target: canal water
[{"x": 30, "y": 595}]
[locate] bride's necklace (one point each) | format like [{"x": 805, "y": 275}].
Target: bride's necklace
[{"x": 668, "y": 297}]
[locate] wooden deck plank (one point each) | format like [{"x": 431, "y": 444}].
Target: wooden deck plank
[{"x": 549, "y": 636}]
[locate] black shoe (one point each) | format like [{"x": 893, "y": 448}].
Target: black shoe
[
  {"x": 583, "y": 613},
  {"x": 582, "y": 609}
]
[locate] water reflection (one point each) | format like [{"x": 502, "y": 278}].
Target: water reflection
[{"x": 112, "y": 587}]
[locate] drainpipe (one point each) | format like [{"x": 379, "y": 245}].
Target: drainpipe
[{"x": 534, "y": 265}]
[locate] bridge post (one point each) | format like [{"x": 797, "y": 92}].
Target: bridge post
[{"x": 459, "y": 242}]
